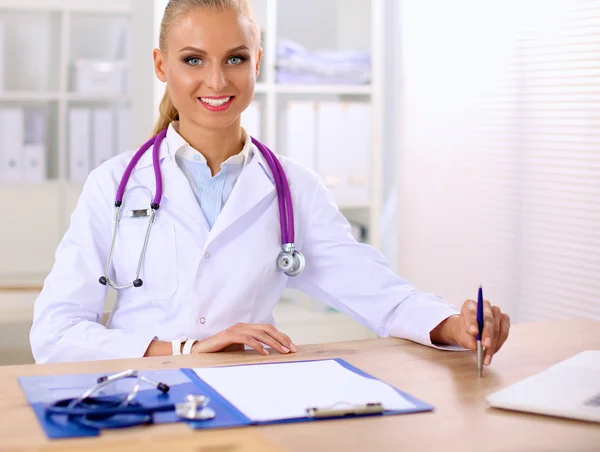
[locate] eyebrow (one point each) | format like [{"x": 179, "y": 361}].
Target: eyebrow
[{"x": 197, "y": 50}]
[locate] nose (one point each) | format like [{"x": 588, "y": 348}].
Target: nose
[{"x": 216, "y": 78}]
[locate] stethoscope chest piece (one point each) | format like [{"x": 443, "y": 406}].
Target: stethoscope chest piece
[
  {"x": 194, "y": 408},
  {"x": 290, "y": 261}
]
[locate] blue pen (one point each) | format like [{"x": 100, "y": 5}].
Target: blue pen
[{"x": 480, "y": 326}]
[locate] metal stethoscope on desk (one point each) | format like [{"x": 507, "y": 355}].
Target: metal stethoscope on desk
[
  {"x": 103, "y": 412},
  {"x": 289, "y": 260}
]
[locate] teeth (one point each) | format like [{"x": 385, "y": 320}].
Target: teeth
[{"x": 215, "y": 102}]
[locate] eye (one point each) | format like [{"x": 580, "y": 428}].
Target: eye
[
  {"x": 193, "y": 61},
  {"x": 235, "y": 60}
]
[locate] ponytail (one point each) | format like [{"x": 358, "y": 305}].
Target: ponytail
[{"x": 167, "y": 114}]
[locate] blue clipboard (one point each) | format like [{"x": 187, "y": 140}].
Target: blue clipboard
[{"x": 43, "y": 390}]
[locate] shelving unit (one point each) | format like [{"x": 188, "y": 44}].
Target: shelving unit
[
  {"x": 44, "y": 209},
  {"x": 42, "y": 39},
  {"x": 356, "y": 25}
]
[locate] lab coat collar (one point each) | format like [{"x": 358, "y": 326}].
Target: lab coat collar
[
  {"x": 254, "y": 184},
  {"x": 174, "y": 144},
  {"x": 181, "y": 148},
  {"x": 146, "y": 159}
]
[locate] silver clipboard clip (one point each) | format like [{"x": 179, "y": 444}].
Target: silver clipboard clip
[{"x": 350, "y": 410}]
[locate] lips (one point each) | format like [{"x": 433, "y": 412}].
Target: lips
[{"x": 216, "y": 103}]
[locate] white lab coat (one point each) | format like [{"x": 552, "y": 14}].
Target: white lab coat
[{"x": 197, "y": 281}]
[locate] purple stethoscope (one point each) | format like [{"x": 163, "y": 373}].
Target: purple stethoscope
[{"x": 289, "y": 260}]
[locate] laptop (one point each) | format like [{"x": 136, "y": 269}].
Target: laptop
[{"x": 569, "y": 389}]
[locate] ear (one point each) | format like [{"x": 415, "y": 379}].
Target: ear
[
  {"x": 258, "y": 59},
  {"x": 159, "y": 65}
]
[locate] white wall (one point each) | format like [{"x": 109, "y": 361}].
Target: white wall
[
  {"x": 449, "y": 242},
  {"x": 499, "y": 172}
]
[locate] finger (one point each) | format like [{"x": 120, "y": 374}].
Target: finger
[
  {"x": 488, "y": 325},
  {"x": 468, "y": 312},
  {"x": 250, "y": 341},
  {"x": 280, "y": 337},
  {"x": 489, "y": 351},
  {"x": 265, "y": 338},
  {"x": 465, "y": 337},
  {"x": 504, "y": 330}
]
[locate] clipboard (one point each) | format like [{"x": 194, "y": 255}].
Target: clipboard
[{"x": 41, "y": 390}]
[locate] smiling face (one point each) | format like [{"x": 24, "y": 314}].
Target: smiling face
[{"x": 210, "y": 61}]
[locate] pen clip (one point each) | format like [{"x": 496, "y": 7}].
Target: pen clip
[{"x": 332, "y": 411}]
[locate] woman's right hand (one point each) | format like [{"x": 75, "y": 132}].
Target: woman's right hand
[{"x": 250, "y": 334}]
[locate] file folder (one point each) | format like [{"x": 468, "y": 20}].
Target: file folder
[
  {"x": 34, "y": 147},
  {"x": 357, "y": 162},
  {"x": 123, "y": 131},
  {"x": 43, "y": 390},
  {"x": 300, "y": 130},
  {"x": 103, "y": 138},
  {"x": 331, "y": 152},
  {"x": 11, "y": 144},
  {"x": 35, "y": 163},
  {"x": 79, "y": 143},
  {"x": 250, "y": 120}
]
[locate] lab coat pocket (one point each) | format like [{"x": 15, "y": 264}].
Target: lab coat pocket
[{"x": 159, "y": 267}]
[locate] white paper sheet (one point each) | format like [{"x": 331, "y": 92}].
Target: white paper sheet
[{"x": 266, "y": 392}]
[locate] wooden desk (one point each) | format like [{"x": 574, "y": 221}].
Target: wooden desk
[{"x": 461, "y": 422}]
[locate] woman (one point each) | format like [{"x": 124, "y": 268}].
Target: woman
[{"x": 208, "y": 279}]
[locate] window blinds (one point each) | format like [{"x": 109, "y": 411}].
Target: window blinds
[{"x": 500, "y": 166}]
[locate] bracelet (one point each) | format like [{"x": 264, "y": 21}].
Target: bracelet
[
  {"x": 176, "y": 345},
  {"x": 187, "y": 348}
]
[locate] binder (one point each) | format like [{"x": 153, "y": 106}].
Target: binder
[
  {"x": 35, "y": 163},
  {"x": 79, "y": 143},
  {"x": 250, "y": 120},
  {"x": 331, "y": 152},
  {"x": 357, "y": 161},
  {"x": 103, "y": 138},
  {"x": 34, "y": 147},
  {"x": 11, "y": 144},
  {"x": 123, "y": 131},
  {"x": 300, "y": 129},
  {"x": 42, "y": 390}
]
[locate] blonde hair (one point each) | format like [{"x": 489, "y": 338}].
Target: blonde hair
[{"x": 175, "y": 8}]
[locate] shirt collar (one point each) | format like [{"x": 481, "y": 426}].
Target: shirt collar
[{"x": 181, "y": 148}]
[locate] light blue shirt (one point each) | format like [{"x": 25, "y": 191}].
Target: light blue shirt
[{"x": 211, "y": 192}]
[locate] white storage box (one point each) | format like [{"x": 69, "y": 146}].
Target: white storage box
[{"x": 100, "y": 77}]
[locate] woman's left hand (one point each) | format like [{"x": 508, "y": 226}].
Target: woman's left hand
[{"x": 462, "y": 329}]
